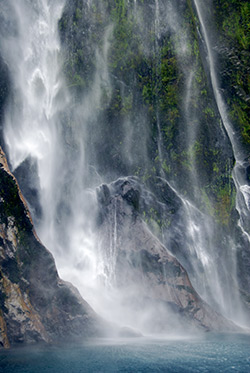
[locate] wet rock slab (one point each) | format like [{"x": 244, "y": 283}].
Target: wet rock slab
[{"x": 150, "y": 278}]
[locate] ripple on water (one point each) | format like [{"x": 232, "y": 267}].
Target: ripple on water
[{"x": 212, "y": 353}]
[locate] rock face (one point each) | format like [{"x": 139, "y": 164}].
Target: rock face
[
  {"x": 35, "y": 304},
  {"x": 4, "y": 91},
  {"x": 149, "y": 277},
  {"x": 158, "y": 115}
]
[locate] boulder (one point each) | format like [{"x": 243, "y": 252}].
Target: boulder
[{"x": 150, "y": 279}]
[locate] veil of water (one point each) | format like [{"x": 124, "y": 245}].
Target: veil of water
[
  {"x": 36, "y": 129},
  {"x": 45, "y": 125},
  {"x": 243, "y": 189}
]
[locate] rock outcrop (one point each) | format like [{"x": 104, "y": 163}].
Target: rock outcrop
[
  {"x": 35, "y": 304},
  {"x": 150, "y": 278}
]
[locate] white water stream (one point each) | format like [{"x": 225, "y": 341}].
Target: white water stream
[
  {"x": 243, "y": 189},
  {"x": 35, "y": 129}
]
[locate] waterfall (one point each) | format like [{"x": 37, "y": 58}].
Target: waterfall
[
  {"x": 37, "y": 128},
  {"x": 238, "y": 174},
  {"x": 32, "y": 122},
  {"x": 158, "y": 57},
  {"x": 32, "y": 54},
  {"x": 114, "y": 126},
  {"x": 243, "y": 189}
]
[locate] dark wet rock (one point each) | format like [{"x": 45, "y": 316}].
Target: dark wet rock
[
  {"x": 151, "y": 279},
  {"x": 4, "y": 93},
  {"x": 104, "y": 195},
  {"x": 27, "y": 175},
  {"x": 35, "y": 304},
  {"x": 131, "y": 195}
]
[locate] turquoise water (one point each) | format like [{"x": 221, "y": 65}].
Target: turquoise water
[{"x": 224, "y": 353}]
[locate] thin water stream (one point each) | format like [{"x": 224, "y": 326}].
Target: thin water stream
[{"x": 243, "y": 189}]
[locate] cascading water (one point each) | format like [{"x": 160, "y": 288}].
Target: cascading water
[
  {"x": 38, "y": 91},
  {"x": 78, "y": 143},
  {"x": 36, "y": 129},
  {"x": 157, "y": 51},
  {"x": 212, "y": 280},
  {"x": 243, "y": 189},
  {"x": 238, "y": 174},
  {"x": 32, "y": 122}
]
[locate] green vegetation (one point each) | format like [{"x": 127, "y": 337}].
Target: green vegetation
[
  {"x": 237, "y": 23},
  {"x": 224, "y": 205},
  {"x": 155, "y": 221},
  {"x": 221, "y": 202},
  {"x": 145, "y": 92},
  {"x": 233, "y": 19}
]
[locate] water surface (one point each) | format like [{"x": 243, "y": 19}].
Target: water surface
[{"x": 212, "y": 353}]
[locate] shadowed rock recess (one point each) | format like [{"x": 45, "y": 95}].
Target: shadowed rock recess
[
  {"x": 149, "y": 278},
  {"x": 35, "y": 304}
]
